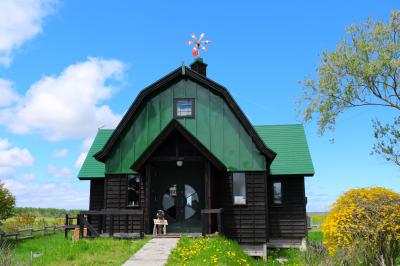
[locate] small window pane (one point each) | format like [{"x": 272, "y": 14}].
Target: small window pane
[
  {"x": 239, "y": 188},
  {"x": 184, "y": 108},
  {"x": 133, "y": 190},
  {"x": 277, "y": 186}
]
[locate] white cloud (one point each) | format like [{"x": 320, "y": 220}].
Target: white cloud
[
  {"x": 60, "y": 153},
  {"x": 48, "y": 195},
  {"x": 4, "y": 144},
  {"x": 59, "y": 172},
  {"x": 20, "y": 21},
  {"x": 7, "y": 92},
  {"x": 68, "y": 105},
  {"x": 87, "y": 143},
  {"x": 79, "y": 161},
  {"x": 13, "y": 156},
  {"x": 6, "y": 171},
  {"x": 28, "y": 177}
]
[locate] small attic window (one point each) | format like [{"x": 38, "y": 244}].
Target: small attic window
[{"x": 184, "y": 108}]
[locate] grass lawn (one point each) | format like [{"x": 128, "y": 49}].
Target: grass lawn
[
  {"x": 294, "y": 256},
  {"x": 318, "y": 219},
  {"x": 59, "y": 251},
  {"x": 209, "y": 251}
]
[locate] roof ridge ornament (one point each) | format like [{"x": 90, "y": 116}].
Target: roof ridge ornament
[
  {"x": 198, "y": 44},
  {"x": 183, "y": 68}
]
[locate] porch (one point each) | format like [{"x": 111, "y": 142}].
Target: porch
[{"x": 124, "y": 222}]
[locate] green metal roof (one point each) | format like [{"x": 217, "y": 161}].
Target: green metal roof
[
  {"x": 290, "y": 144},
  {"x": 288, "y": 141},
  {"x": 92, "y": 168}
]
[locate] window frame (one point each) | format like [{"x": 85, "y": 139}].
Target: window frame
[
  {"x": 245, "y": 189},
  {"x": 273, "y": 193},
  {"x": 192, "y": 100},
  {"x": 127, "y": 191}
]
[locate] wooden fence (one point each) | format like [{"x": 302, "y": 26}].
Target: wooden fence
[{"x": 29, "y": 232}]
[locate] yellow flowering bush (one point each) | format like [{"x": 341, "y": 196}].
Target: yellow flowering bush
[{"x": 364, "y": 220}]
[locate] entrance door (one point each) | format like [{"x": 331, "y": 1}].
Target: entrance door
[{"x": 179, "y": 192}]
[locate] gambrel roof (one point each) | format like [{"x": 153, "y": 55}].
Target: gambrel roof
[{"x": 178, "y": 74}]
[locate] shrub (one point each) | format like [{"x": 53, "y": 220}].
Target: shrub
[
  {"x": 18, "y": 222},
  {"x": 24, "y": 221},
  {"x": 364, "y": 225},
  {"x": 7, "y": 203}
]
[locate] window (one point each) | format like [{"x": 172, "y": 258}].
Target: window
[
  {"x": 239, "y": 188},
  {"x": 184, "y": 108},
  {"x": 133, "y": 190},
  {"x": 277, "y": 192}
]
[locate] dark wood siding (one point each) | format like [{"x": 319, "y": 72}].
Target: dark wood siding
[
  {"x": 116, "y": 191},
  {"x": 244, "y": 223},
  {"x": 115, "y": 197},
  {"x": 96, "y": 201},
  {"x": 288, "y": 220},
  {"x": 96, "y": 194}
]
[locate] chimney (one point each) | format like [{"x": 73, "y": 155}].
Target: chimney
[{"x": 199, "y": 66}]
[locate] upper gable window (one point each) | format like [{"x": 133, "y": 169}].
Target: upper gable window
[{"x": 184, "y": 108}]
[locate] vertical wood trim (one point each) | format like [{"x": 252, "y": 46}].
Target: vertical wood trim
[
  {"x": 105, "y": 192},
  {"x": 147, "y": 199},
  {"x": 91, "y": 195},
  {"x": 207, "y": 190},
  {"x": 266, "y": 207},
  {"x": 305, "y": 207}
]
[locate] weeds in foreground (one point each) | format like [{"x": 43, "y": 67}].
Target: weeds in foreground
[
  {"x": 210, "y": 251},
  {"x": 362, "y": 254},
  {"x": 6, "y": 253}
]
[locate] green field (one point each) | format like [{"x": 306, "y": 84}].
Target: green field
[
  {"x": 26, "y": 217},
  {"x": 56, "y": 250}
]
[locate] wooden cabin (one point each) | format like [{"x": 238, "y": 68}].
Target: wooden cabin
[{"x": 185, "y": 147}]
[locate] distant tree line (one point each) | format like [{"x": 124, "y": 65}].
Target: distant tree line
[{"x": 43, "y": 212}]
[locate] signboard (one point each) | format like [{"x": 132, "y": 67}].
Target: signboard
[{"x": 160, "y": 222}]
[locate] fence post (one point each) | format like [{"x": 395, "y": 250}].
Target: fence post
[
  {"x": 81, "y": 225},
  {"x": 16, "y": 235},
  {"x": 66, "y": 225},
  {"x": 1, "y": 236}
]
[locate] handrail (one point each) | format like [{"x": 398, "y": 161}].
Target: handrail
[
  {"x": 205, "y": 213},
  {"x": 210, "y": 211},
  {"x": 84, "y": 220},
  {"x": 114, "y": 212}
]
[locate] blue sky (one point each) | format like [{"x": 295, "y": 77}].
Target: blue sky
[{"x": 69, "y": 67}]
